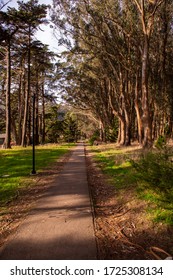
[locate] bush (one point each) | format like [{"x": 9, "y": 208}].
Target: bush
[
  {"x": 155, "y": 183},
  {"x": 94, "y": 138},
  {"x": 156, "y": 170},
  {"x": 160, "y": 142}
]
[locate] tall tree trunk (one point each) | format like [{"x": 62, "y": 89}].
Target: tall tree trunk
[
  {"x": 23, "y": 143},
  {"x": 37, "y": 110},
  {"x": 21, "y": 94},
  {"x": 14, "y": 130},
  {"x": 122, "y": 132},
  {"x": 29, "y": 122},
  {"x": 28, "y": 92},
  {"x": 138, "y": 113},
  {"x": 43, "y": 115},
  {"x": 146, "y": 119},
  {"x": 147, "y": 15},
  {"x": 102, "y": 135},
  {"x": 8, "y": 99},
  {"x": 127, "y": 129}
]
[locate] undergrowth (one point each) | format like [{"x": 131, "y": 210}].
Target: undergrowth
[
  {"x": 150, "y": 174},
  {"x": 155, "y": 182}
]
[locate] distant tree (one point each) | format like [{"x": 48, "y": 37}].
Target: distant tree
[
  {"x": 54, "y": 119},
  {"x": 70, "y": 128}
]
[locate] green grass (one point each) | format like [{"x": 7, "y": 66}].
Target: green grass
[
  {"x": 116, "y": 165},
  {"x": 150, "y": 184},
  {"x": 16, "y": 166}
]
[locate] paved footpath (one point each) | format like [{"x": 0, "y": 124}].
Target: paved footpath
[{"x": 60, "y": 227}]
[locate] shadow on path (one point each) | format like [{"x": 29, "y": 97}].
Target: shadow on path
[{"x": 61, "y": 224}]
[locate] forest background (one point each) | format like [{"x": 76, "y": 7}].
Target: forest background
[
  {"x": 112, "y": 81},
  {"x": 115, "y": 71}
]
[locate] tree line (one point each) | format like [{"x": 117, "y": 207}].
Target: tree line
[
  {"x": 117, "y": 66},
  {"x": 27, "y": 69}
]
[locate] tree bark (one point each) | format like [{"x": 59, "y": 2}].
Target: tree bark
[
  {"x": 21, "y": 98},
  {"x": 147, "y": 21},
  {"x": 14, "y": 131},
  {"x": 122, "y": 132},
  {"x": 43, "y": 115},
  {"x": 127, "y": 129},
  {"x": 7, "y": 144},
  {"x": 138, "y": 113},
  {"x": 37, "y": 110},
  {"x": 26, "y": 110},
  {"x": 146, "y": 119}
]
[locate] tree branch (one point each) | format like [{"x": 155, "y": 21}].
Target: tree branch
[
  {"x": 3, "y": 5},
  {"x": 138, "y": 6}
]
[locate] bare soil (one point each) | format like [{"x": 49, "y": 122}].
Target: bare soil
[{"x": 123, "y": 230}]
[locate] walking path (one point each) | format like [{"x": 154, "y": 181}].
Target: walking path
[{"x": 60, "y": 227}]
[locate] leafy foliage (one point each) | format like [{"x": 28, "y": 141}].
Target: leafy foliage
[
  {"x": 94, "y": 138},
  {"x": 111, "y": 68},
  {"x": 70, "y": 128},
  {"x": 149, "y": 176},
  {"x": 155, "y": 180},
  {"x": 156, "y": 170},
  {"x": 160, "y": 142},
  {"x": 61, "y": 125},
  {"x": 28, "y": 71}
]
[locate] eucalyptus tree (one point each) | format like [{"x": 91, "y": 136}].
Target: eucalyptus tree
[
  {"x": 161, "y": 65},
  {"x": 82, "y": 85},
  {"x": 119, "y": 39},
  {"x": 95, "y": 35},
  {"x": 147, "y": 13}
]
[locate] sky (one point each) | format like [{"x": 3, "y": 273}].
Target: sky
[{"x": 45, "y": 35}]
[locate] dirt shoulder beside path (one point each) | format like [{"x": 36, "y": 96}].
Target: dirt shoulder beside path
[{"x": 121, "y": 227}]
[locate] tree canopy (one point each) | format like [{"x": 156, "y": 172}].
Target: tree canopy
[
  {"x": 115, "y": 69},
  {"x": 118, "y": 64},
  {"x": 27, "y": 69}
]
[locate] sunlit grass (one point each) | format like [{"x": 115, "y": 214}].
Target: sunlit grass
[
  {"x": 16, "y": 166},
  {"x": 117, "y": 165}
]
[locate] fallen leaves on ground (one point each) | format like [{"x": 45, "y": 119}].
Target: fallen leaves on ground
[{"x": 122, "y": 229}]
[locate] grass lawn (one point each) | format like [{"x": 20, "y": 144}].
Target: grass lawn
[
  {"x": 116, "y": 163},
  {"x": 16, "y": 166}
]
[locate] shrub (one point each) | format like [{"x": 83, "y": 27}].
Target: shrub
[
  {"x": 94, "y": 138},
  {"x": 160, "y": 142},
  {"x": 156, "y": 170}
]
